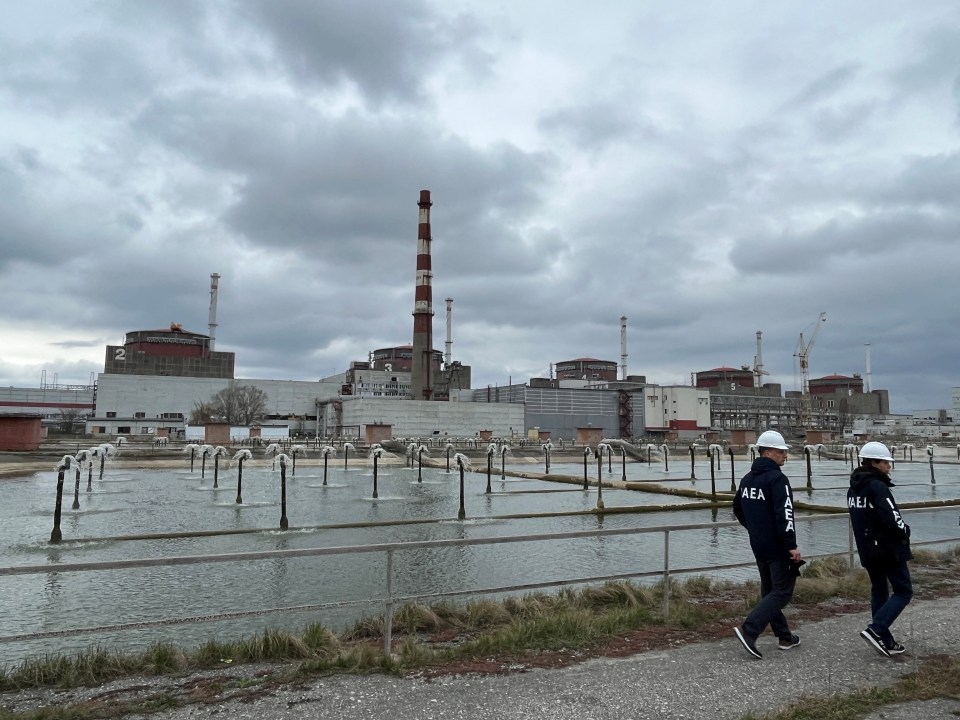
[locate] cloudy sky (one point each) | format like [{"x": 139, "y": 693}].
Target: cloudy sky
[{"x": 706, "y": 169}]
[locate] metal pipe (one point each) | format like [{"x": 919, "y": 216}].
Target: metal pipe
[
  {"x": 240, "y": 479},
  {"x": 56, "y": 536},
  {"x": 284, "y": 523},
  {"x": 461, "y": 513},
  {"x": 76, "y": 490},
  {"x": 733, "y": 472},
  {"x": 489, "y": 467}
]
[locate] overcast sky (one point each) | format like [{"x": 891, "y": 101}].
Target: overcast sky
[{"x": 706, "y": 169}]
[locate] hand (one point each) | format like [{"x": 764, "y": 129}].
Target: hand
[{"x": 795, "y": 555}]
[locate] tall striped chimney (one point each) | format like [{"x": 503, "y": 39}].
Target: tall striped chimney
[{"x": 421, "y": 381}]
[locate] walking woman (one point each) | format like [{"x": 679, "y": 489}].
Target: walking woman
[{"x": 883, "y": 542}]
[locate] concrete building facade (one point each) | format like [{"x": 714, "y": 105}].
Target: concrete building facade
[
  {"x": 141, "y": 404},
  {"x": 557, "y": 410},
  {"x": 678, "y": 410},
  {"x": 725, "y": 378},
  {"x": 48, "y": 402},
  {"x": 424, "y": 418},
  {"x": 169, "y": 351},
  {"x": 589, "y": 369}
]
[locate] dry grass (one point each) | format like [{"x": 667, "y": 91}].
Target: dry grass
[{"x": 570, "y": 618}]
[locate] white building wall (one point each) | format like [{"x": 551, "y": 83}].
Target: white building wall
[
  {"x": 45, "y": 401},
  {"x": 420, "y": 418},
  {"x": 675, "y": 403},
  {"x": 127, "y": 395}
]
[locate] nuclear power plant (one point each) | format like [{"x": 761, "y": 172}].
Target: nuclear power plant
[{"x": 152, "y": 383}]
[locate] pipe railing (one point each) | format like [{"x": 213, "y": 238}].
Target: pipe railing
[{"x": 389, "y": 599}]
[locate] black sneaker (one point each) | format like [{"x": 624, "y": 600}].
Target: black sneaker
[
  {"x": 792, "y": 642},
  {"x": 875, "y": 641},
  {"x": 749, "y": 645},
  {"x": 894, "y": 648}
]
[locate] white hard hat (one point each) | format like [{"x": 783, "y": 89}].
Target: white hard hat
[
  {"x": 772, "y": 439},
  {"x": 875, "y": 451}
]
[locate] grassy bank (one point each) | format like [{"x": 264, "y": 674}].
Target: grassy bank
[{"x": 537, "y": 629}]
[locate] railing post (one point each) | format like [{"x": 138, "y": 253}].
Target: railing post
[
  {"x": 388, "y": 608},
  {"x": 666, "y": 574}
]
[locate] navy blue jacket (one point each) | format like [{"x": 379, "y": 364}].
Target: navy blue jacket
[
  {"x": 764, "y": 506},
  {"x": 881, "y": 534}
]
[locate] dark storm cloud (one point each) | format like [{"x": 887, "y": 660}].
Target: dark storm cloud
[
  {"x": 36, "y": 237},
  {"x": 382, "y": 48},
  {"x": 333, "y": 186},
  {"x": 90, "y": 70},
  {"x": 932, "y": 180},
  {"x": 847, "y": 238},
  {"x": 695, "y": 176}
]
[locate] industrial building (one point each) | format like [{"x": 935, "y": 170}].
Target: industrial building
[
  {"x": 586, "y": 368},
  {"x": 170, "y": 351},
  {"x": 152, "y": 383}
]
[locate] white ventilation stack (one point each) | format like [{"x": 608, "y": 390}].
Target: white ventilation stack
[
  {"x": 448, "y": 353},
  {"x": 867, "y": 348},
  {"x": 758, "y": 371},
  {"x": 214, "y": 285},
  {"x": 623, "y": 347}
]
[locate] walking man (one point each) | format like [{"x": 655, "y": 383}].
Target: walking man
[
  {"x": 883, "y": 543},
  {"x": 764, "y": 505}
]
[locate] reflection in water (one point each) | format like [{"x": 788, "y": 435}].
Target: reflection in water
[
  {"x": 52, "y": 586},
  {"x": 278, "y": 572},
  {"x": 155, "y": 503}
]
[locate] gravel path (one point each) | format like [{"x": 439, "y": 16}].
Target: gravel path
[{"x": 714, "y": 679}]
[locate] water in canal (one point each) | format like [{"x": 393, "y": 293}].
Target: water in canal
[{"x": 130, "y": 501}]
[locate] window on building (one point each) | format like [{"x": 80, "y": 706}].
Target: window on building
[
  {"x": 123, "y": 430},
  {"x": 111, "y": 414},
  {"x": 139, "y": 415}
]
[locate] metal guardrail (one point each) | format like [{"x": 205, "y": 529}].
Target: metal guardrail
[{"x": 389, "y": 600}]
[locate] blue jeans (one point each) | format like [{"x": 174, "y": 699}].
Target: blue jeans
[
  {"x": 886, "y": 607},
  {"x": 776, "y": 588}
]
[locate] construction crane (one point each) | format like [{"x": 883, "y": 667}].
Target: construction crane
[{"x": 803, "y": 352}]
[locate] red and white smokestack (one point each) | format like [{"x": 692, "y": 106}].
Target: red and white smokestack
[
  {"x": 420, "y": 372},
  {"x": 448, "y": 354},
  {"x": 214, "y": 290}
]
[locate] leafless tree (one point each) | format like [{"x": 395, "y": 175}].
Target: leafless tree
[
  {"x": 68, "y": 416},
  {"x": 238, "y": 404}
]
